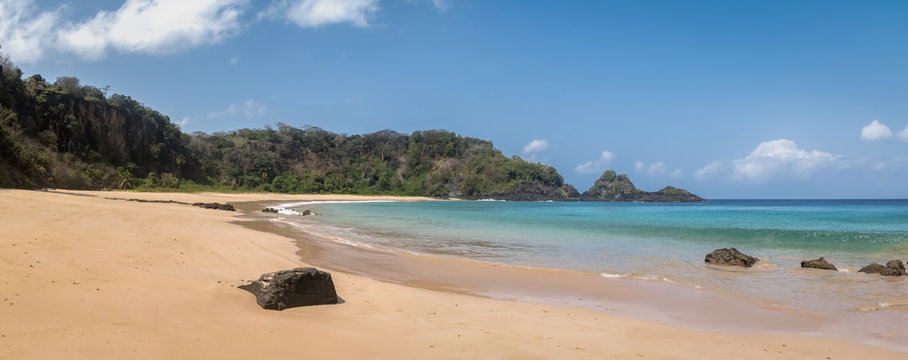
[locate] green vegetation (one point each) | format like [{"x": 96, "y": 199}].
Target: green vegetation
[{"x": 70, "y": 135}]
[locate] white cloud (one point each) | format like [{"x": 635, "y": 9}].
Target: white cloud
[
  {"x": 676, "y": 173},
  {"x": 138, "y": 26},
  {"x": 315, "y": 13},
  {"x": 153, "y": 27},
  {"x": 592, "y": 167},
  {"x": 249, "y": 108},
  {"x": 903, "y": 134},
  {"x": 536, "y": 146},
  {"x": 25, "y": 32},
  {"x": 182, "y": 123},
  {"x": 875, "y": 132},
  {"x": 779, "y": 157},
  {"x": 441, "y": 5},
  {"x": 656, "y": 169},
  {"x": 639, "y": 166},
  {"x": 710, "y": 169},
  {"x": 233, "y": 60}
]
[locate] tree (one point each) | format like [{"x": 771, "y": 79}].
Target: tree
[{"x": 69, "y": 84}]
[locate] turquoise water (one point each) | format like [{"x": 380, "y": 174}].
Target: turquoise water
[{"x": 659, "y": 242}]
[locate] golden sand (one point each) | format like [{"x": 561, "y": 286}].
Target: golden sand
[{"x": 86, "y": 277}]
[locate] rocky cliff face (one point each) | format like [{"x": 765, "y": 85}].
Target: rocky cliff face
[{"x": 613, "y": 187}]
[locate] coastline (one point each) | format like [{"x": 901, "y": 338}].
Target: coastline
[{"x": 85, "y": 277}]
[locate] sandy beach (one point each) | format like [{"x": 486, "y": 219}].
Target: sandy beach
[{"x": 82, "y": 276}]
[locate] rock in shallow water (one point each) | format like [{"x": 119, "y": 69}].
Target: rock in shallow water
[
  {"x": 892, "y": 268},
  {"x": 730, "y": 257},
  {"x": 290, "y": 288},
  {"x": 820, "y": 263}
]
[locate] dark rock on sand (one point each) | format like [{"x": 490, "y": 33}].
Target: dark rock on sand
[
  {"x": 215, "y": 206},
  {"x": 290, "y": 288},
  {"x": 730, "y": 257},
  {"x": 269, "y": 210},
  {"x": 872, "y": 269},
  {"x": 820, "y": 263},
  {"x": 308, "y": 212}
]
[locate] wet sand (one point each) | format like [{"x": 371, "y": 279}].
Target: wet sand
[{"x": 86, "y": 277}]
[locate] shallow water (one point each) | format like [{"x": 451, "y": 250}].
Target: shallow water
[{"x": 664, "y": 242}]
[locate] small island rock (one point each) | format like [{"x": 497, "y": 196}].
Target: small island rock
[
  {"x": 290, "y": 288},
  {"x": 820, "y": 263},
  {"x": 730, "y": 257}
]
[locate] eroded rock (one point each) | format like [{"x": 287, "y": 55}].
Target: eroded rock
[
  {"x": 820, "y": 263},
  {"x": 291, "y": 288},
  {"x": 730, "y": 257}
]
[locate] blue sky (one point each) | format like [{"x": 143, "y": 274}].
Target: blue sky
[{"x": 730, "y": 99}]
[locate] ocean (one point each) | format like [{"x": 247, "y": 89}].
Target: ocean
[{"x": 661, "y": 243}]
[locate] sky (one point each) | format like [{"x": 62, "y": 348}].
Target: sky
[{"x": 729, "y": 99}]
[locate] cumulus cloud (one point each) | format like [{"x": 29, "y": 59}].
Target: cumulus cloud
[
  {"x": 138, "y": 26},
  {"x": 592, "y": 167},
  {"x": 535, "y": 146},
  {"x": 25, "y": 32},
  {"x": 153, "y": 27},
  {"x": 249, "y": 109},
  {"x": 710, "y": 169},
  {"x": 657, "y": 169},
  {"x": 903, "y": 134},
  {"x": 779, "y": 156},
  {"x": 875, "y": 132},
  {"x": 315, "y": 13},
  {"x": 233, "y": 60}
]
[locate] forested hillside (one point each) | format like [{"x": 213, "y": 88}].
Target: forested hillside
[{"x": 68, "y": 135}]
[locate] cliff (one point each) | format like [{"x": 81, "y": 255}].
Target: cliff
[{"x": 613, "y": 187}]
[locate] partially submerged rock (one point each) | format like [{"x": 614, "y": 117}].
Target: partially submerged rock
[
  {"x": 730, "y": 257},
  {"x": 892, "y": 268},
  {"x": 872, "y": 269},
  {"x": 820, "y": 263},
  {"x": 270, "y": 210},
  {"x": 291, "y": 288},
  {"x": 215, "y": 206}
]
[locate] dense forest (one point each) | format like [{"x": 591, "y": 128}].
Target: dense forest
[{"x": 68, "y": 135}]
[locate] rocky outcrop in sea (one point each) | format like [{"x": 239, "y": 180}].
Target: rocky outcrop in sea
[{"x": 613, "y": 187}]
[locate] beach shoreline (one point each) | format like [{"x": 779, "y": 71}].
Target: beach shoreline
[{"x": 87, "y": 277}]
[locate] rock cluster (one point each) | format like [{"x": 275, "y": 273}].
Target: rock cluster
[
  {"x": 290, "y": 288},
  {"x": 820, "y": 263},
  {"x": 892, "y": 268},
  {"x": 730, "y": 257},
  {"x": 270, "y": 210},
  {"x": 215, "y": 206}
]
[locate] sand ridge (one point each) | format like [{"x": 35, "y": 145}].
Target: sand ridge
[{"x": 86, "y": 277}]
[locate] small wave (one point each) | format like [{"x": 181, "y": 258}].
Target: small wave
[
  {"x": 490, "y": 199},
  {"x": 285, "y": 209},
  {"x": 613, "y": 275}
]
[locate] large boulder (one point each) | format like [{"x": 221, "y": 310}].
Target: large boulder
[
  {"x": 820, "y": 263},
  {"x": 730, "y": 257},
  {"x": 290, "y": 288}
]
